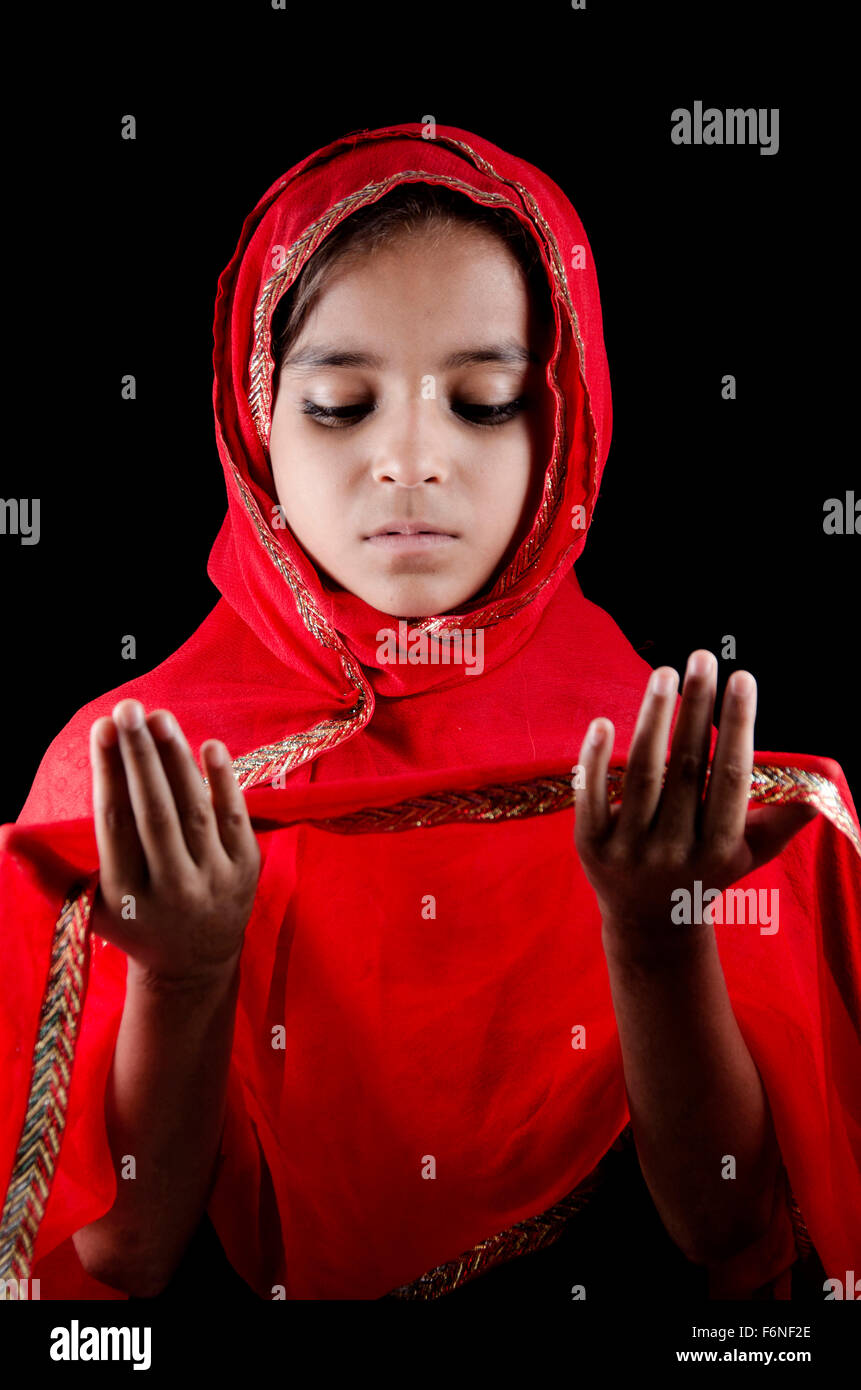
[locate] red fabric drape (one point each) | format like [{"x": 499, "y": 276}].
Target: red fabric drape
[{"x": 427, "y": 961}]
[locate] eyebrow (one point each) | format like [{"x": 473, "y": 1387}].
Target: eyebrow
[{"x": 322, "y": 355}]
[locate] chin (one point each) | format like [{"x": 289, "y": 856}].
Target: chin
[{"x": 418, "y": 609}]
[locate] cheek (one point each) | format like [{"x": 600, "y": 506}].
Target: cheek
[
  {"x": 290, "y": 458},
  {"x": 308, "y": 485},
  {"x": 519, "y": 483},
  {"x": 513, "y": 465},
  {"x": 280, "y": 452}
]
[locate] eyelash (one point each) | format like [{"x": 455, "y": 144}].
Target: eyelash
[{"x": 494, "y": 414}]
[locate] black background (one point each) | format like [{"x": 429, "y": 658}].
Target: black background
[{"x": 710, "y": 259}]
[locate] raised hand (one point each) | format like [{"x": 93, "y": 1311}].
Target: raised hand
[
  {"x": 637, "y": 853},
  {"x": 178, "y": 864}
]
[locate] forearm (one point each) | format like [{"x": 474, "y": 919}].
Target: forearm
[
  {"x": 695, "y": 1097},
  {"x": 164, "y": 1106}
]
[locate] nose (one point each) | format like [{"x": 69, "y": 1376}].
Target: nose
[{"x": 408, "y": 445}]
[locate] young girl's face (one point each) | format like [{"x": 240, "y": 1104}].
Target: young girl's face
[{"x": 414, "y": 349}]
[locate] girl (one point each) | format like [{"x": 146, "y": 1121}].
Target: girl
[{"x": 366, "y": 993}]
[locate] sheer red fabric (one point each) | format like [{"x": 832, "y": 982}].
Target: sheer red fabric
[{"x": 423, "y": 940}]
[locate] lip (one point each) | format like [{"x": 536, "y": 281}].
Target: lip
[
  {"x": 410, "y": 540},
  {"x": 409, "y": 528}
]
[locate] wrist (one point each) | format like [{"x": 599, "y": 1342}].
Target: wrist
[
  {"x": 209, "y": 980},
  {"x": 651, "y": 946}
]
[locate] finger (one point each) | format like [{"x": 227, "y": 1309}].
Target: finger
[
  {"x": 156, "y": 816},
  {"x": 647, "y": 756},
  {"x": 593, "y": 821},
  {"x": 192, "y": 800},
  {"x": 121, "y": 856},
  {"x": 728, "y": 792},
  {"x": 686, "y": 771},
  {"x": 231, "y": 812}
]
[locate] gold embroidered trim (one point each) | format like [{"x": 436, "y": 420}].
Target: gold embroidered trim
[
  {"x": 778, "y": 786},
  {"x": 47, "y": 1102},
  {"x": 525, "y": 1237},
  {"x": 496, "y": 802}
]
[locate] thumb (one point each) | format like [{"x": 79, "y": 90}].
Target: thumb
[{"x": 770, "y": 828}]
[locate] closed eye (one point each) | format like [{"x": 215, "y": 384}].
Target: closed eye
[
  {"x": 491, "y": 414},
  {"x": 341, "y": 416}
]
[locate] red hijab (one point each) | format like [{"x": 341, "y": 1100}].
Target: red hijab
[{"x": 422, "y": 928}]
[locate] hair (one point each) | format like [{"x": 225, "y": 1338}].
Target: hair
[{"x": 409, "y": 208}]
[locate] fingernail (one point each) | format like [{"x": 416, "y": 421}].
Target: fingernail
[
  {"x": 216, "y": 754},
  {"x": 129, "y": 714},
  {"x": 105, "y": 732},
  {"x": 701, "y": 663},
  {"x": 742, "y": 683},
  {"x": 664, "y": 681},
  {"x": 164, "y": 725},
  {"x": 597, "y": 733}
]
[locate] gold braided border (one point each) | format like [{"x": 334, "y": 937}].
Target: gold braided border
[
  {"x": 47, "y": 1102},
  {"x": 775, "y": 786}
]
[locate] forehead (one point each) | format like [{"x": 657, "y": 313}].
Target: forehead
[{"x": 446, "y": 276}]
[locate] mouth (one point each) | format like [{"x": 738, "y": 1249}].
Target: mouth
[
  {"x": 409, "y": 528},
  {"x": 410, "y": 540}
]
